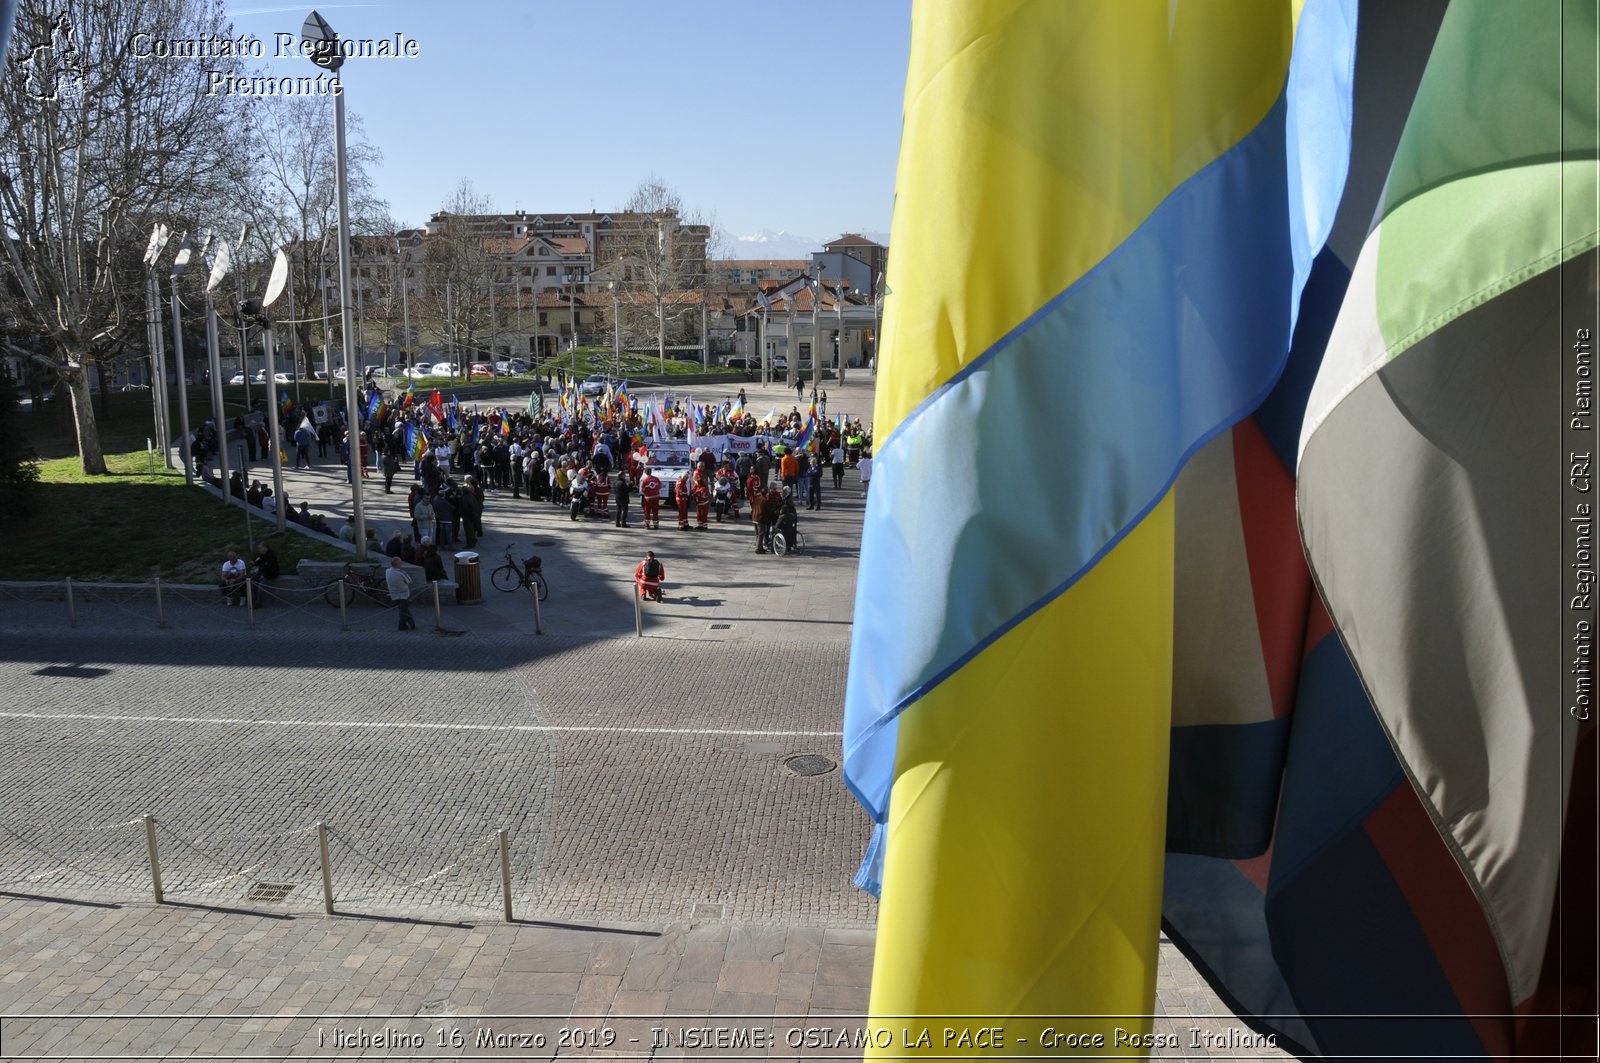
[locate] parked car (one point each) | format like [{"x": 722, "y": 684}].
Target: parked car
[
  {"x": 446, "y": 369},
  {"x": 420, "y": 370},
  {"x": 237, "y": 379},
  {"x": 511, "y": 367},
  {"x": 481, "y": 369},
  {"x": 594, "y": 385},
  {"x": 738, "y": 363}
]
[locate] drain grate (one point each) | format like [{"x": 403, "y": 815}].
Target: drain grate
[
  {"x": 269, "y": 892},
  {"x": 809, "y": 764},
  {"x": 721, "y": 627}
]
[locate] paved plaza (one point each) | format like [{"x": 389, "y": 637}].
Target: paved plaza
[{"x": 664, "y": 857}]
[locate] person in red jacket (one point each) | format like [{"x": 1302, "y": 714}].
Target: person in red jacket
[
  {"x": 702, "y": 501},
  {"x": 650, "y": 498},
  {"x": 648, "y": 576},
  {"x": 681, "y": 495}
]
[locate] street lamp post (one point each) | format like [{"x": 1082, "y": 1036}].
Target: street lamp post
[
  {"x": 153, "y": 340},
  {"x": 178, "y": 267},
  {"x": 275, "y": 286},
  {"x": 325, "y": 53},
  {"x": 405, "y": 308},
  {"x": 616, "y": 328},
  {"x": 219, "y": 412}
]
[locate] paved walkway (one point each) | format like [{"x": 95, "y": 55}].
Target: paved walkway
[{"x": 665, "y": 861}]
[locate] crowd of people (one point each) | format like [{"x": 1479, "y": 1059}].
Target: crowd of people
[{"x": 593, "y": 457}]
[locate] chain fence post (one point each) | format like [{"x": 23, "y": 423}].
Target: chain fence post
[
  {"x": 161, "y": 609},
  {"x": 155, "y": 861},
  {"x": 72, "y": 607},
  {"x": 327, "y": 869},
  {"x": 505, "y": 872},
  {"x": 438, "y": 617},
  {"x": 250, "y": 603},
  {"x": 538, "y": 610},
  {"x": 638, "y": 613},
  {"x": 344, "y": 617}
]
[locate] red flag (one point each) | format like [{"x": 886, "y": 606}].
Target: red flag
[{"x": 436, "y": 407}]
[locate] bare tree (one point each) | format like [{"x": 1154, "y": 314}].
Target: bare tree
[
  {"x": 460, "y": 269},
  {"x": 658, "y": 254},
  {"x": 97, "y": 144},
  {"x": 289, "y": 195}
]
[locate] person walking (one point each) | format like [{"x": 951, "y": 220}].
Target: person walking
[
  {"x": 837, "y": 460},
  {"x": 390, "y": 463},
  {"x": 813, "y": 480},
  {"x": 864, "y": 467},
  {"x": 303, "y": 438},
  {"x": 400, "y": 592}
]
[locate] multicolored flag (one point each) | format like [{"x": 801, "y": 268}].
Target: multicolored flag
[
  {"x": 1010, "y": 688},
  {"x": 1364, "y": 818},
  {"x": 416, "y": 442},
  {"x": 505, "y": 425}
]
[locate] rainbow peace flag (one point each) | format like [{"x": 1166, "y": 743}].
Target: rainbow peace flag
[
  {"x": 505, "y": 425},
  {"x": 416, "y": 442},
  {"x": 738, "y": 407}
]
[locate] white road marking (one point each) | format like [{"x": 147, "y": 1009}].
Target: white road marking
[{"x": 402, "y": 726}]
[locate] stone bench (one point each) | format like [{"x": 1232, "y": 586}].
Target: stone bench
[{"x": 318, "y": 574}]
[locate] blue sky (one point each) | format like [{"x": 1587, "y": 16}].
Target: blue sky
[{"x": 560, "y": 106}]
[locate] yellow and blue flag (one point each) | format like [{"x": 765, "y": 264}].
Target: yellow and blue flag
[{"x": 1164, "y": 175}]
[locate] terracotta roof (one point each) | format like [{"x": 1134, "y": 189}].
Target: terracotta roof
[
  {"x": 796, "y": 264},
  {"x": 569, "y": 245},
  {"x": 852, "y": 240},
  {"x": 504, "y": 245}
]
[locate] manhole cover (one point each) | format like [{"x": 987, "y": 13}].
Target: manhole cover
[
  {"x": 708, "y": 911},
  {"x": 268, "y": 892},
  {"x": 721, "y": 627},
  {"x": 809, "y": 764}
]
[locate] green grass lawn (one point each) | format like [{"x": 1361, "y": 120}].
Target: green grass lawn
[{"x": 133, "y": 525}]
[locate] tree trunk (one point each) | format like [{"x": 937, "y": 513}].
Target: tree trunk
[
  {"x": 661, "y": 334},
  {"x": 77, "y": 381}
]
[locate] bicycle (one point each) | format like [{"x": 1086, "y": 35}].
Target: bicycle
[
  {"x": 365, "y": 580},
  {"x": 512, "y": 576}
]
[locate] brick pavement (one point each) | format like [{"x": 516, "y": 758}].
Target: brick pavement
[{"x": 664, "y": 858}]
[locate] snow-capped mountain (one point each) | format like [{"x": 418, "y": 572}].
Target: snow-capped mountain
[{"x": 769, "y": 244}]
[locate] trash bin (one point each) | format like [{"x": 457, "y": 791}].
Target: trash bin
[{"x": 469, "y": 586}]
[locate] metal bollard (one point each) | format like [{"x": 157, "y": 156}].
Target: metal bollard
[
  {"x": 250, "y": 603},
  {"x": 538, "y": 610},
  {"x": 155, "y": 862},
  {"x": 638, "y": 613},
  {"x": 327, "y": 869},
  {"x": 505, "y": 872},
  {"x": 161, "y": 609},
  {"x": 72, "y": 607},
  {"x": 438, "y": 617},
  {"x": 344, "y": 618}
]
